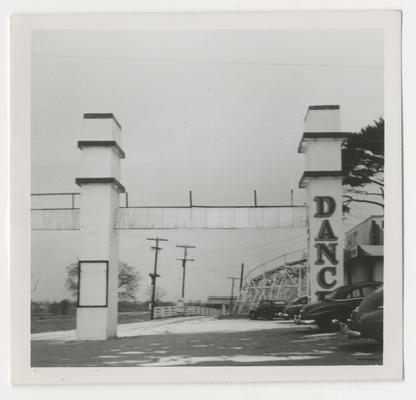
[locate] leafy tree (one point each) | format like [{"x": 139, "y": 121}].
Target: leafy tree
[
  {"x": 363, "y": 162},
  {"x": 128, "y": 281},
  {"x": 64, "y": 306},
  {"x": 71, "y": 281}
]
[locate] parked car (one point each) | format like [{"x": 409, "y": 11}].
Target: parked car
[
  {"x": 366, "y": 320},
  {"x": 267, "y": 309},
  {"x": 338, "y": 304},
  {"x": 293, "y": 307}
]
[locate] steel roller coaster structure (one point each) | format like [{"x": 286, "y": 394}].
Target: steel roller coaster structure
[{"x": 284, "y": 277}]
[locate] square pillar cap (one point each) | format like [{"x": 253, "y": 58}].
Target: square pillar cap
[
  {"x": 102, "y": 143},
  {"x": 111, "y": 181},
  {"x": 310, "y": 136},
  {"x": 324, "y": 107},
  {"x": 102, "y": 116},
  {"x": 308, "y": 175}
]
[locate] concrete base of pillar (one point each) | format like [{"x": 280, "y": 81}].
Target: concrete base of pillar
[{"x": 93, "y": 323}]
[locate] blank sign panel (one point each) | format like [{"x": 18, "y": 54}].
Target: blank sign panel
[{"x": 93, "y": 278}]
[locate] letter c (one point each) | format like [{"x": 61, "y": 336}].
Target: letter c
[{"x": 322, "y": 279}]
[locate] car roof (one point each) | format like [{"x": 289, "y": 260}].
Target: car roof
[
  {"x": 359, "y": 284},
  {"x": 343, "y": 290}
]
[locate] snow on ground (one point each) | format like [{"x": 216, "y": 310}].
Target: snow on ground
[
  {"x": 148, "y": 360},
  {"x": 107, "y": 356},
  {"x": 177, "y": 325},
  {"x": 131, "y": 352},
  {"x": 183, "y": 360},
  {"x": 321, "y": 335}
]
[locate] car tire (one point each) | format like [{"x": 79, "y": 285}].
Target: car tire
[
  {"x": 252, "y": 315},
  {"x": 379, "y": 338},
  {"x": 326, "y": 325}
]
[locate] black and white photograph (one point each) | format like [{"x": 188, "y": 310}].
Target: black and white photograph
[{"x": 211, "y": 194}]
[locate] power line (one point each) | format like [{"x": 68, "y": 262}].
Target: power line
[
  {"x": 188, "y": 61},
  {"x": 291, "y": 243},
  {"x": 257, "y": 246},
  {"x": 216, "y": 254}
]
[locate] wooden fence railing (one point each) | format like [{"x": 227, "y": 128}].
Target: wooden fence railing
[{"x": 173, "y": 311}]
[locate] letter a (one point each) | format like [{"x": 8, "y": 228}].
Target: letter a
[{"x": 326, "y": 232}]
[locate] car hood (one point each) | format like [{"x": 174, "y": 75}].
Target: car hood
[
  {"x": 313, "y": 305},
  {"x": 318, "y": 306},
  {"x": 372, "y": 302},
  {"x": 294, "y": 307}
]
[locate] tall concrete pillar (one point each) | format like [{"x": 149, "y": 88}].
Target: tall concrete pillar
[
  {"x": 321, "y": 142},
  {"x": 98, "y": 263}
]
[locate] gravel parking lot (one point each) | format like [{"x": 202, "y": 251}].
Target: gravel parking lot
[{"x": 244, "y": 343}]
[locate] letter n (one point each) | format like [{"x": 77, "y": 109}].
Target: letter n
[{"x": 327, "y": 250}]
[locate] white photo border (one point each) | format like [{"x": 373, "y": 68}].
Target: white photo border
[{"x": 21, "y": 29}]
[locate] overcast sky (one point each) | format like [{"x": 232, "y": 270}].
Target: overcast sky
[{"x": 216, "y": 112}]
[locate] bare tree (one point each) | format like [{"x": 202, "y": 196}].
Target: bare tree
[
  {"x": 159, "y": 294},
  {"x": 128, "y": 281}
]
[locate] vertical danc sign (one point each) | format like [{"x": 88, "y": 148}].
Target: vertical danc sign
[{"x": 322, "y": 145}]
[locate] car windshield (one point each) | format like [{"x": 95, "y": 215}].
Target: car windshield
[
  {"x": 333, "y": 295},
  {"x": 297, "y": 300},
  {"x": 279, "y": 302}
]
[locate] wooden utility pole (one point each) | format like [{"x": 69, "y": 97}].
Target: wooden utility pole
[
  {"x": 233, "y": 278},
  {"x": 190, "y": 199},
  {"x": 155, "y": 274},
  {"x": 184, "y": 260},
  {"x": 241, "y": 276}
]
